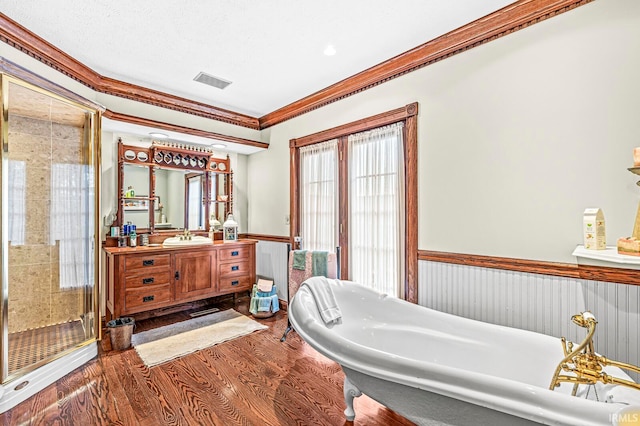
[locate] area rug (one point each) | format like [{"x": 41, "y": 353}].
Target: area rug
[{"x": 172, "y": 341}]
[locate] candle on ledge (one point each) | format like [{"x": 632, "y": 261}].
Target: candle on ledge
[{"x": 636, "y": 157}]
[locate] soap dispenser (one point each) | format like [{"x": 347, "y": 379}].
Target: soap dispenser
[{"x": 133, "y": 238}]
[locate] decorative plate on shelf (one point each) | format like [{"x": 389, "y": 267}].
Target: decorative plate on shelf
[
  {"x": 142, "y": 156},
  {"x": 185, "y": 161},
  {"x": 158, "y": 157},
  {"x": 129, "y": 155},
  {"x": 222, "y": 167},
  {"x": 167, "y": 158},
  {"x": 214, "y": 166},
  {"x": 193, "y": 161},
  {"x": 176, "y": 159},
  {"x": 201, "y": 163}
]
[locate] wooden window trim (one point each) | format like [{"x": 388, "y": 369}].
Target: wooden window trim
[{"x": 407, "y": 114}]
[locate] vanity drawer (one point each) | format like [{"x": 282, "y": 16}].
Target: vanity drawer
[
  {"x": 148, "y": 261},
  {"x": 148, "y": 279},
  {"x": 147, "y": 296},
  {"x": 228, "y": 269},
  {"x": 235, "y": 283},
  {"x": 227, "y": 254}
]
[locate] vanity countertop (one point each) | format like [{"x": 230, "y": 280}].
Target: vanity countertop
[{"x": 159, "y": 247}]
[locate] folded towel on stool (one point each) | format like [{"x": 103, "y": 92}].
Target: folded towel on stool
[
  {"x": 264, "y": 304},
  {"x": 265, "y": 285},
  {"x": 320, "y": 288},
  {"x": 264, "y": 301}
]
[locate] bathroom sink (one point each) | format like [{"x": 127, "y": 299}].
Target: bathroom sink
[{"x": 194, "y": 241}]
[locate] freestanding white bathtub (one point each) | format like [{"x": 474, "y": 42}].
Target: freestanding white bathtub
[{"x": 440, "y": 369}]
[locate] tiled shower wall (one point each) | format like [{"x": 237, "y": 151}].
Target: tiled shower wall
[{"x": 35, "y": 297}]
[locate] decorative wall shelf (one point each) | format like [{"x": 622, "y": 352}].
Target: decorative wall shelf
[{"x": 608, "y": 257}]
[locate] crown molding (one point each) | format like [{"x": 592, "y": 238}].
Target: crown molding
[
  {"x": 518, "y": 15},
  {"x": 15, "y": 70},
  {"x": 29, "y": 43},
  {"x": 181, "y": 129},
  {"x": 507, "y": 20}
]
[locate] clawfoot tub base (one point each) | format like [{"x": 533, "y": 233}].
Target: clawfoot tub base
[{"x": 350, "y": 392}]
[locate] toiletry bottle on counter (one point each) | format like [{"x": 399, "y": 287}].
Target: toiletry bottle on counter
[
  {"x": 130, "y": 192},
  {"x": 133, "y": 238}
]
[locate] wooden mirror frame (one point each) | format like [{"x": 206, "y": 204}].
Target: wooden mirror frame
[{"x": 177, "y": 157}]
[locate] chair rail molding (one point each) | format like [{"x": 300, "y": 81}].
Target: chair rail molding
[{"x": 568, "y": 270}]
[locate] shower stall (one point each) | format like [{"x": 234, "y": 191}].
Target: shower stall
[{"x": 49, "y": 314}]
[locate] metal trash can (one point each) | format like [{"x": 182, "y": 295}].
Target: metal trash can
[{"x": 120, "y": 331}]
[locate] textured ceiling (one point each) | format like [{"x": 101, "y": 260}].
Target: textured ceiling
[{"x": 271, "y": 51}]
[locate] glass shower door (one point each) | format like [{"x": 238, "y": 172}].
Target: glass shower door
[{"x": 48, "y": 227}]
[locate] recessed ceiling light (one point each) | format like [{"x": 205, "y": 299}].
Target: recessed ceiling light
[
  {"x": 330, "y": 50},
  {"x": 158, "y": 135},
  {"x": 218, "y": 145}
]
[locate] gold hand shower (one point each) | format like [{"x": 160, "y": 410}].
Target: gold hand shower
[{"x": 583, "y": 365}]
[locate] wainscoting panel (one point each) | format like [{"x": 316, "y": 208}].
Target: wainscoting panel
[
  {"x": 535, "y": 302},
  {"x": 271, "y": 263}
]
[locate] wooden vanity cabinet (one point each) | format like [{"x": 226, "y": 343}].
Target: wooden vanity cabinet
[
  {"x": 195, "y": 275},
  {"x": 146, "y": 278}
]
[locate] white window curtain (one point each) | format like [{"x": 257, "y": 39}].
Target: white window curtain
[
  {"x": 72, "y": 224},
  {"x": 376, "y": 208},
  {"x": 17, "y": 200},
  {"x": 319, "y": 195}
]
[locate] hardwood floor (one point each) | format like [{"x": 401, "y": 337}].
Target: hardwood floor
[{"x": 253, "y": 380}]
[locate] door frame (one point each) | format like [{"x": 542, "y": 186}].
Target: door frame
[{"x": 408, "y": 115}]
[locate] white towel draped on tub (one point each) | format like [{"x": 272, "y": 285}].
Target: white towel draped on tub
[{"x": 320, "y": 288}]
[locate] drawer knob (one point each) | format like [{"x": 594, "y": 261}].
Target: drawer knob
[
  {"x": 235, "y": 267},
  {"x": 148, "y": 298},
  {"x": 147, "y": 280},
  {"x": 235, "y": 253},
  {"x": 236, "y": 282},
  {"x": 148, "y": 262}
]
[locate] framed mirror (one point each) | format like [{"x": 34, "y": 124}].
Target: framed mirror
[
  {"x": 195, "y": 208},
  {"x": 136, "y": 188},
  {"x": 170, "y": 199},
  {"x": 221, "y": 197},
  {"x": 164, "y": 188}
]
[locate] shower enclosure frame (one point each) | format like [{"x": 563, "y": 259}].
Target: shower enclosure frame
[{"x": 18, "y": 385}]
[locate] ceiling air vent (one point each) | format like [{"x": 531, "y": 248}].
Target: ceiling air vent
[{"x": 211, "y": 80}]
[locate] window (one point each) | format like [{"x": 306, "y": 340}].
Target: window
[
  {"x": 356, "y": 185},
  {"x": 319, "y": 195}
]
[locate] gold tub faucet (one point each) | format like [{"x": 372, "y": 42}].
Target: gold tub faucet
[{"x": 583, "y": 365}]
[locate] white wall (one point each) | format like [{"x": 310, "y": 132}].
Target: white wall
[{"x": 516, "y": 138}]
